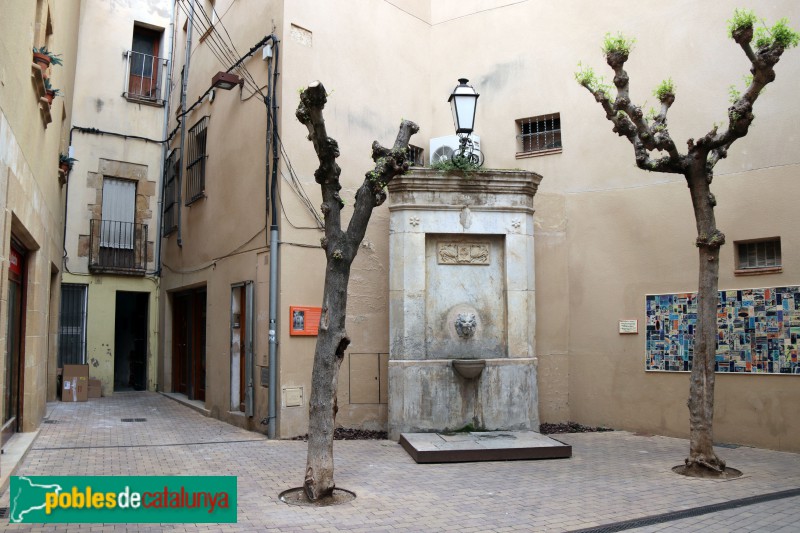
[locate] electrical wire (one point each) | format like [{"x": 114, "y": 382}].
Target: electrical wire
[
  {"x": 217, "y": 44},
  {"x": 236, "y": 251},
  {"x": 286, "y": 215},
  {"x": 210, "y": 38}
]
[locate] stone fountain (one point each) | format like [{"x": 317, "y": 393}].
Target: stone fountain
[{"x": 462, "y": 302}]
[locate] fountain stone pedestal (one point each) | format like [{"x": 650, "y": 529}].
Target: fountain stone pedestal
[{"x": 462, "y": 315}]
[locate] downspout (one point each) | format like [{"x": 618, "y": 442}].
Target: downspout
[
  {"x": 165, "y": 146},
  {"x": 184, "y": 87},
  {"x": 273, "y": 259}
]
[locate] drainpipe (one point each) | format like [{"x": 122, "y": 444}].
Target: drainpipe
[
  {"x": 165, "y": 146},
  {"x": 273, "y": 261},
  {"x": 184, "y": 87}
]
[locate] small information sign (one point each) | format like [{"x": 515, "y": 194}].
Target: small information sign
[{"x": 629, "y": 327}]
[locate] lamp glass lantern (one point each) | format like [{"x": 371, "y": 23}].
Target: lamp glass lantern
[{"x": 463, "y": 102}]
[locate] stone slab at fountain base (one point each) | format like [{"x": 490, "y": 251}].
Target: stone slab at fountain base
[{"x": 482, "y": 446}]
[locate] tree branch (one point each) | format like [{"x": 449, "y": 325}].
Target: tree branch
[
  {"x": 309, "y": 113},
  {"x": 372, "y": 193},
  {"x": 740, "y": 114},
  {"x": 629, "y": 122}
]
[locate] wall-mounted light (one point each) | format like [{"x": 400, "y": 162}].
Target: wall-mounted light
[{"x": 225, "y": 80}]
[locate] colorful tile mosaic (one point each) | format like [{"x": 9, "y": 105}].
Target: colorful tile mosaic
[{"x": 758, "y": 331}]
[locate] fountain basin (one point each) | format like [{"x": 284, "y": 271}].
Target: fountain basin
[{"x": 469, "y": 368}]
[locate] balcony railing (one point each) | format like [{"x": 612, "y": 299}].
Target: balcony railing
[
  {"x": 118, "y": 247},
  {"x": 143, "y": 77}
]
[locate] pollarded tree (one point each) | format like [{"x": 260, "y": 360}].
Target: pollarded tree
[
  {"x": 649, "y": 134},
  {"x": 340, "y": 248}
]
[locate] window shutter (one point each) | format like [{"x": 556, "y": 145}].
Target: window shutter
[{"x": 119, "y": 208}]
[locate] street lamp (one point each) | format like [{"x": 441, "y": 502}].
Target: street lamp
[
  {"x": 225, "y": 80},
  {"x": 463, "y": 102}
]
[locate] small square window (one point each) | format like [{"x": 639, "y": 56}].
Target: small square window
[
  {"x": 757, "y": 256},
  {"x": 539, "y": 135},
  {"x": 415, "y": 156}
]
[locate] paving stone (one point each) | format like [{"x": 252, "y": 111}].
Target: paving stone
[{"x": 611, "y": 477}]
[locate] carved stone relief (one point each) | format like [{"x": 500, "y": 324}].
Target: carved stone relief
[{"x": 463, "y": 253}]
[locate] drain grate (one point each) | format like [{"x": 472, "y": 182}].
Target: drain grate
[
  {"x": 688, "y": 513},
  {"x": 50, "y": 421},
  {"x": 133, "y": 419},
  {"x": 3, "y": 512}
]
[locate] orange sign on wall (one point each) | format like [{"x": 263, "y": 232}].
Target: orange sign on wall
[{"x": 304, "y": 320}]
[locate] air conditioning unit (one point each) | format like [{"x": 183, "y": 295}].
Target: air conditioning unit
[{"x": 443, "y": 148}]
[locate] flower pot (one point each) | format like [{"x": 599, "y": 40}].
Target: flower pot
[
  {"x": 41, "y": 59},
  {"x": 65, "y": 168},
  {"x": 50, "y": 95}
]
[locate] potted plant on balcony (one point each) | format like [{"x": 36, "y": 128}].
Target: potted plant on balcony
[
  {"x": 65, "y": 162},
  {"x": 50, "y": 92},
  {"x": 44, "y": 58}
]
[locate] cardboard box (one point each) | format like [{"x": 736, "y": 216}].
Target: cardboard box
[
  {"x": 95, "y": 388},
  {"x": 75, "y": 387}
]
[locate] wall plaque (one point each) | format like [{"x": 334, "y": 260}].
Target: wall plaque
[{"x": 450, "y": 253}]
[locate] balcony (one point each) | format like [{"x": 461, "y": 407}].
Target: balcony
[
  {"x": 143, "y": 76},
  {"x": 117, "y": 247}
]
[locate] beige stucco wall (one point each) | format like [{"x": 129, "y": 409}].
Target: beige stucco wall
[
  {"x": 30, "y": 193},
  {"x": 606, "y": 233},
  {"x": 100, "y": 104}
]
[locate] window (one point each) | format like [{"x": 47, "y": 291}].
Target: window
[
  {"x": 758, "y": 256},
  {"x": 144, "y": 66},
  {"x": 539, "y": 135},
  {"x": 72, "y": 325},
  {"x": 196, "y": 167},
  {"x": 171, "y": 167},
  {"x": 415, "y": 156},
  {"x": 119, "y": 207}
]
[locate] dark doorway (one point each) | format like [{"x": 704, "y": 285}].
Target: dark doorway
[
  {"x": 13, "y": 388},
  {"x": 130, "y": 341},
  {"x": 189, "y": 344}
]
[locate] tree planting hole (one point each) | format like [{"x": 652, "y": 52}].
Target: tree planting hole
[
  {"x": 728, "y": 473},
  {"x": 297, "y": 496}
]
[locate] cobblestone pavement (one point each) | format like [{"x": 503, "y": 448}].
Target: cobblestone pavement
[{"x": 611, "y": 477}]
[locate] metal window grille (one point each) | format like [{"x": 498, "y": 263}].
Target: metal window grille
[
  {"x": 415, "y": 156},
  {"x": 539, "y": 134},
  {"x": 759, "y": 254},
  {"x": 196, "y": 168},
  {"x": 72, "y": 325},
  {"x": 143, "y": 77},
  {"x": 171, "y": 167}
]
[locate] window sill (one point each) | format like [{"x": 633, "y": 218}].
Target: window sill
[
  {"x": 196, "y": 198},
  {"x": 144, "y": 101},
  {"x": 524, "y": 155},
  {"x": 757, "y": 271}
]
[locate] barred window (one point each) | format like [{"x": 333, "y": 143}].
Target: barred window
[
  {"x": 72, "y": 325},
  {"x": 171, "y": 167},
  {"x": 760, "y": 255},
  {"x": 539, "y": 135},
  {"x": 196, "y": 167},
  {"x": 415, "y": 156}
]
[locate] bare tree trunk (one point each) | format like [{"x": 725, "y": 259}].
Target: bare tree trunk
[
  {"x": 340, "y": 248},
  {"x": 331, "y": 344},
  {"x": 701, "y": 388}
]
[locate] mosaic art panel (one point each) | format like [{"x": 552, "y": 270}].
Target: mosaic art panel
[{"x": 758, "y": 331}]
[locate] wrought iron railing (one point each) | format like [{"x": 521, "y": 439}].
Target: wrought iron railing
[
  {"x": 143, "y": 77},
  {"x": 118, "y": 247}
]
